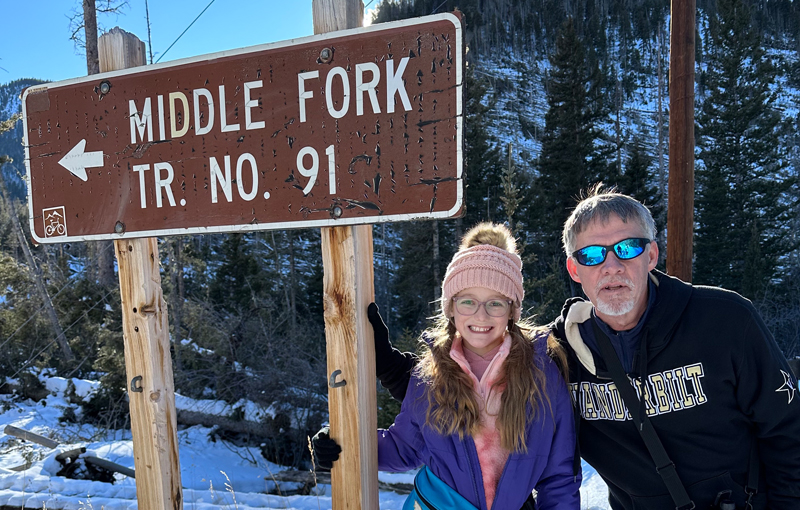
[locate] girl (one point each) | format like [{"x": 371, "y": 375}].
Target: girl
[{"x": 487, "y": 411}]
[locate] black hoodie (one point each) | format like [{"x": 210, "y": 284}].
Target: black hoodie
[{"x": 714, "y": 381}]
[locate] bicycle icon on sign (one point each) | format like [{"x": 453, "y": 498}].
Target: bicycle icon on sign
[{"x": 55, "y": 222}]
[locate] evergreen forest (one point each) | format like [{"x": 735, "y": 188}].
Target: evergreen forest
[{"x": 558, "y": 95}]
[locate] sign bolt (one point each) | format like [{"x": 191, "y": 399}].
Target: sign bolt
[
  {"x": 325, "y": 55},
  {"x": 337, "y": 212},
  {"x": 105, "y": 87},
  {"x": 119, "y": 228}
]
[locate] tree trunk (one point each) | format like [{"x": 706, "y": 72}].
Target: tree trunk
[
  {"x": 437, "y": 289},
  {"x": 177, "y": 296},
  {"x": 680, "y": 214},
  {"x": 41, "y": 289},
  {"x": 292, "y": 283},
  {"x": 90, "y": 31},
  {"x": 105, "y": 264},
  {"x": 102, "y": 251},
  {"x": 662, "y": 177},
  {"x": 618, "y": 130},
  {"x": 279, "y": 271}
]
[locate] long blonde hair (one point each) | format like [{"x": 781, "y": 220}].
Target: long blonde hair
[{"x": 453, "y": 405}]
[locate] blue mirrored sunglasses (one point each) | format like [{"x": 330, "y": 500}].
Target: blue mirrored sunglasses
[{"x": 624, "y": 250}]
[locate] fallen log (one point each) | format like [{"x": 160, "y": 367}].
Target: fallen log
[
  {"x": 111, "y": 466},
  {"x": 30, "y": 436},
  {"x": 21, "y": 467},
  {"x": 258, "y": 429},
  {"x": 70, "y": 455},
  {"x": 324, "y": 477}
]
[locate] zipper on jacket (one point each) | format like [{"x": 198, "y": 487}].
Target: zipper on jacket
[
  {"x": 469, "y": 448},
  {"x": 500, "y": 480}
]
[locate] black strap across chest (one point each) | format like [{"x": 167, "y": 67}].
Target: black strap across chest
[{"x": 664, "y": 466}]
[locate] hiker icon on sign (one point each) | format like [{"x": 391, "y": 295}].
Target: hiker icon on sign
[{"x": 55, "y": 222}]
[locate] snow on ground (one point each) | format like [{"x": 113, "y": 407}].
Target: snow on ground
[{"x": 214, "y": 474}]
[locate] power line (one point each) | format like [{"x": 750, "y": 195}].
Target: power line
[
  {"x": 437, "y": 7},
  {"x": 204, "y": 10},
  {"x": 34, "y": 314},
  {"x": 187, "y": 28},
  {"x": 33, "y": 358}
]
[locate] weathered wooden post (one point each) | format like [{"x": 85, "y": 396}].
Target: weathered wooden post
[
  {"x": 680, "y": 213},
  {"x": 145, "y": 326},
  {"x": 348, "y": 289},
  {"x": 352, "y": 402}
]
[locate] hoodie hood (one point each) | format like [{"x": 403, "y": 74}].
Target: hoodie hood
[{"x": 666, "y": 312}]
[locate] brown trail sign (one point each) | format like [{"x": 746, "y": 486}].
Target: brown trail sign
[
  {"x": 334, "y": 131},
  {"x": 352, "y": 127}
]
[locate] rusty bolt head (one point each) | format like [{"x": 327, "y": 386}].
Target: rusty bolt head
[
  {"x": 119, "y": 228},
  {"x": 325, "y": 55},
  {"x": 105, "y": 87},
  {"x": 337, "y": 212}
]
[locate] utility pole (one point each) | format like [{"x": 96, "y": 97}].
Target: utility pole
[{"x": 680, "y": 213}]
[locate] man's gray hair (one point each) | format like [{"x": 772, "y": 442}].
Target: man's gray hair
[{"x": 600, "y": 205}]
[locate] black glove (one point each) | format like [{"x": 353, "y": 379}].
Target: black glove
[
  {"x": 530, "y": 503},
  {"x": 383, "y": 347},
  {"x": 326, "y": 450},
  {"x": 392, "y": 367}
]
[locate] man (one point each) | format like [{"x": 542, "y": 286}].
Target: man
[{"x": 716, "y": 388}]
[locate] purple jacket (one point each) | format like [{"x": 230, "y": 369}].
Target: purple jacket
[{"x": 547, "y": 467}]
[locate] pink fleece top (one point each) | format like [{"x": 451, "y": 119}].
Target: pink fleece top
[{"x": 491, "y": 455}]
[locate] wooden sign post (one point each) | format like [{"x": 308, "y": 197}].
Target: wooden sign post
[
  {"x": 348, "y": 288},
  {"x": 145, "y": 328},
  {"x": 352, "y": 402}
]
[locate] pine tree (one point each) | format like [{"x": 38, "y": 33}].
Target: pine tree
[
  {"x": 573, "y": 156},
  {"x": 483, "y": 163},
  {"x": 570, "y": 159},
  {"x": 742, "y": 201},
  {"x": 420, "y": 273},
  {"x": 638, "y": 181},
  {"x": 238, "y": 277}
]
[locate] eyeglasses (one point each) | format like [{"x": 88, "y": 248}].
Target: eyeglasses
[
  {"x": 626, "y": 249},
  {"x": 493, "y": 307}
]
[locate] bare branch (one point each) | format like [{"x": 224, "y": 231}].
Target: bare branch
[{"x": 76, "y": 23}]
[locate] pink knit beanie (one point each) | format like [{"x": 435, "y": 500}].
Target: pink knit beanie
[{"x": 482, "y": 263}]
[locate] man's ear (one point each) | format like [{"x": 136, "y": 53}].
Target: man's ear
[
  {"x": 653, "y": 255},
  {"x": 572, "y": 269}
]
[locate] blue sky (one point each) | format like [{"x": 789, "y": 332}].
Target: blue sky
[{"x": 35, "y": 39}]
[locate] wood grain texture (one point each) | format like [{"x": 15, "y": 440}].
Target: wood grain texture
[
  {"x": 348, "y": 288},
  {"x": 119, "y": 49},
  {"x": 333, "y": 15},
  {"x": 145, "y": 329},
  {"x": 680, "y": 213}
]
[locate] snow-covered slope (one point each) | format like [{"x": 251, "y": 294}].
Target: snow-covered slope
[{"x": 214, "y": 474}]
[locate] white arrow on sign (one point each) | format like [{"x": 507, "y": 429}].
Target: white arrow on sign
[{"x": 77, "y": 161}]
